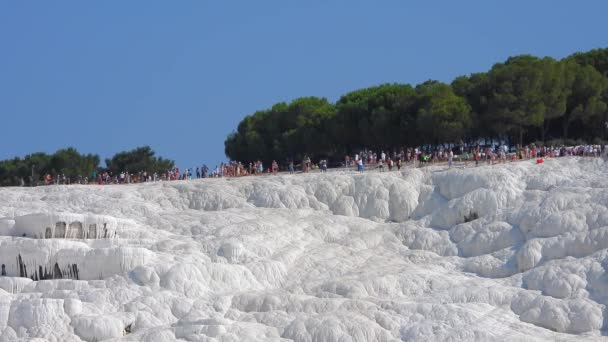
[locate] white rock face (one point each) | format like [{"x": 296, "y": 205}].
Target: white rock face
[{"x": 513, "y": 252}]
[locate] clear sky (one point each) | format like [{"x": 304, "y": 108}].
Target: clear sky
[{"x": 106, "y": 76}]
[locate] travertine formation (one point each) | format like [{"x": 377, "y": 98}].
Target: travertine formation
[{"x": 493, "y": 253}]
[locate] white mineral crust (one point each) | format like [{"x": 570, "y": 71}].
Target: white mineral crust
[{"x": 328, "y": 257}]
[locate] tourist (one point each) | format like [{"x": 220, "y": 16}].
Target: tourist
[
  {"x": 323, "y": 165},
  {"x": 275, "y": 167},
  {"x": 360, "y": 166},
  {"x": 450, "y": 158}
]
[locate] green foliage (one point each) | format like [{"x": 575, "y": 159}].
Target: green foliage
[
  {"x": 516, "y": 95},
  {"x": 523, "y": 99},
  {"x": 71, "y": 164},
  {"x": 555, "y": 90},
  {"x": 586, "y": 101},
  {"x": 284, "y": 131},
  {"x": 138, "y": 160},
  {"x": 68, "y": 162},
  {"x": 597, "y": 58},
  {"x": 475, "y": 90},
  {"x": 443, "y": 117},
  {"x": 312, "y": 131},
  {"x": 376, "y": 117}
]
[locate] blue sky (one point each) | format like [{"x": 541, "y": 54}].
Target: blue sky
[{"x": 107, "y": 76}]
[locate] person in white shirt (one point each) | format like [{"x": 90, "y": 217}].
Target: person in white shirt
[{"x": 450, "y": 158}]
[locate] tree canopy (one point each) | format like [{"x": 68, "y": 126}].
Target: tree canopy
[
  {"x": 71, "y": 163},
  {"x": 31, "y": 168},
  {"x": 138, "y": 160},
  {"x": 284, "y": 131},
  {"x": 523, "y": 99},
  {"x": 597, "y": 58}
]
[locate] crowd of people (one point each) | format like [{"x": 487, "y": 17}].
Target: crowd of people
[
  {"x": 361, "y": 161},
  {"x": 419, "y": 157}
]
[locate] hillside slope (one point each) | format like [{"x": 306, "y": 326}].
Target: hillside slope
[{"x": 516, "y": 251}]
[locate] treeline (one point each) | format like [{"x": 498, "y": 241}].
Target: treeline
[
  {"x": 522, "y": 100},
  {"x": 70, "y": 163}
]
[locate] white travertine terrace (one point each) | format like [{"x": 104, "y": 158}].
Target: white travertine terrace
[
  {"x": 514, "y": 252},
  {"x": 60, "y": 226}
]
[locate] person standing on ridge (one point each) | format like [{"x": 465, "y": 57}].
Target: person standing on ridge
[
  {"x": 275, "y": 167},
  {"x": 291, "y": 167},
  {"x": 360, "y": 165},
  {"x": 450, "y": 158}
]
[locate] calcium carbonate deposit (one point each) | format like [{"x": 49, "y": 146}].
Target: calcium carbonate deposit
[{"x": 514, "y": 252}]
